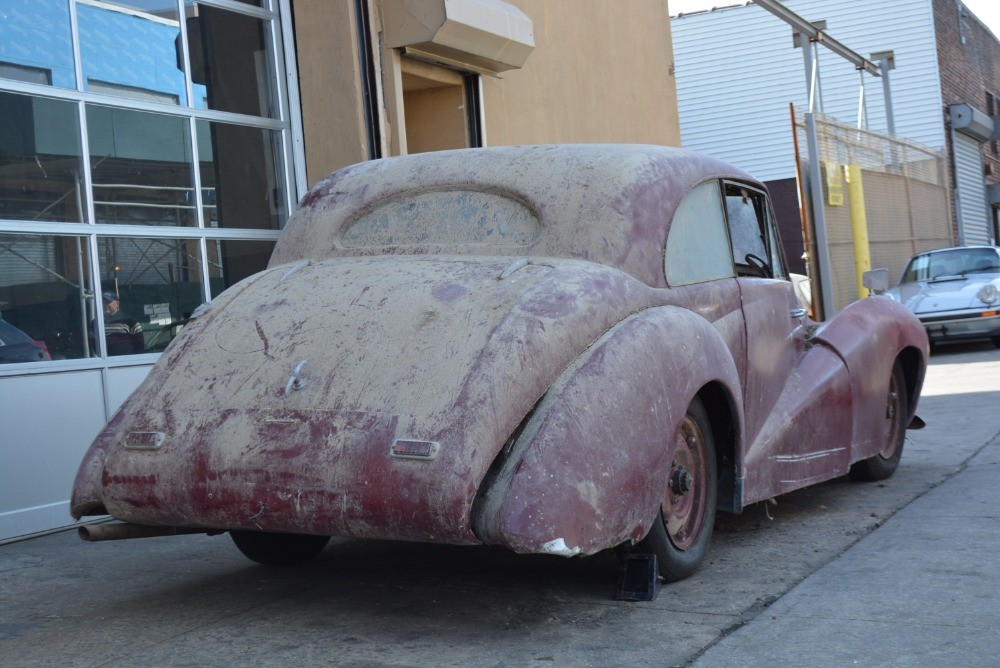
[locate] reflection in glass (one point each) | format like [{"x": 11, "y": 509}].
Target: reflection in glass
[
  {"x": 158, "y": 285},
  {"x": 231, "y": 59},
  {"x": 141, "y": 167},
  {"x": 40, "y": 160},
  {"x": 229, "y": 262},
  {"x": 130, "y": 49},
  {"x": 46, "y": 298},
  {"x": 241, "y": 176},
  {"x": 36, "y": 46}
]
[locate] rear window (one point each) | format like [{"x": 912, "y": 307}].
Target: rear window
[
  {"x": 444, "y": 218},
  {"x": 10, "y": 335}
]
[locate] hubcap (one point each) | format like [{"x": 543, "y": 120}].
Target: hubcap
[{"x": 684, "y": 504}]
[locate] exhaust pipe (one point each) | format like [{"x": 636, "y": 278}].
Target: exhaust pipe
[{"x": 124, "y": 530}]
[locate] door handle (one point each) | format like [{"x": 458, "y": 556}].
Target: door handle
[{"x": 798, "y": 313}]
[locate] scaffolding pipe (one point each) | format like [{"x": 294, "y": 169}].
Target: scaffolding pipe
[{"x": 859, "y": 227}]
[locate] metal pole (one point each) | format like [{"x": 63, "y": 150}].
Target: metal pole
[
  {"x": 819, "y": 79},
  {"x": 859, "y": 227},
  {"x": 862, "y": 102},
  {"x": 886, "y": 62},
  {"x": 807, "y": 58},
  {"x": 823, "y": 265}
]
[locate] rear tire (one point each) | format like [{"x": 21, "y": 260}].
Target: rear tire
[
  {"x": 681, "y": 534},
  {"x": 278, "y": 549},
  {"x": 884, "y": 464}
]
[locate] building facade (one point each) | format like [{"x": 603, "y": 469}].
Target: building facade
[
  {"x": 152, "y": 151},
  {"x": 934, "y": 68},
  {"x": 969, "y": 63}
]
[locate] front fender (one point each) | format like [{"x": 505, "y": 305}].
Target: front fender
[
  {"x": 869, "y": 335},
  {"x": 590, "y": 466}
]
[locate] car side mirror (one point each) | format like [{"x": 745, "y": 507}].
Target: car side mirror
[{"x": 876, "y": 280}]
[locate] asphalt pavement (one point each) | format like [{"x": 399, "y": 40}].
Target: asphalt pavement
[{"x": 899, "y": 573}]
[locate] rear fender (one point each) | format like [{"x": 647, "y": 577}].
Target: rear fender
[
  {"x": 869, "y": 335},
  {"x": 589, "y": 468}
]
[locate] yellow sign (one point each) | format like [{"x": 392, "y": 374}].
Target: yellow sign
[{"x": 834, "y": 184}]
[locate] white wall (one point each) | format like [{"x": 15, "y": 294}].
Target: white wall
[
  {"x": 48, "y": 422},
  {"x": 737, "y": 70}
]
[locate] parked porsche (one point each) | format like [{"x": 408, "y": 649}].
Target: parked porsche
[
  {"x": 556, "y": 349},
  {"x": 955, "y": 292}
]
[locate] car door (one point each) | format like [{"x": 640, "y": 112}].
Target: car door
[{"x": 790, "y": 440}]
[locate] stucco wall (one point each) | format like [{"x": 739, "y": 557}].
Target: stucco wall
[
  {"x": 333, "y": 121},
  {"x": 600, "y": 72}
]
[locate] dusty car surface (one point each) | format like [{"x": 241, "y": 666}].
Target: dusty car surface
[
  {"x": 556, "y": 349},
  {"x": 955, "y": 292}
]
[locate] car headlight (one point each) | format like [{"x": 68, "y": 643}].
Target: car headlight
[{"x": 989, "y": 294}]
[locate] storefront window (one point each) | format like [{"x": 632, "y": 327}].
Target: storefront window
[
  {"x": 157, "y": 283},
  {"x": 35, "y": 43},
  {"x": 234, "y": 161},
  {"x": 229, "y": 262},
  {"x": 41, "y": 171},
  {"x": 185, "y": 144},
  {"x": 46, "y": 298},
  {"x": 232, "y": 59},
  {"x": 141, "y": 167},
  {"x": 149, "y": 32}
]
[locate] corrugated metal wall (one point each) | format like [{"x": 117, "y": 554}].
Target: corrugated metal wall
[
  {"x": 970, "y": 187},
  {"x": 737, "y": 71}
]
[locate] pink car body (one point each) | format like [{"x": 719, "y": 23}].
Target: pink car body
[{"x": 482, "y": 346}]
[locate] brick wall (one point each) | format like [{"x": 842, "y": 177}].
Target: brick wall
[{"x": 969, "y": 61}]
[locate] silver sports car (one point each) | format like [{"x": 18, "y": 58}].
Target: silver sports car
[{"x": 955, "y": 292}]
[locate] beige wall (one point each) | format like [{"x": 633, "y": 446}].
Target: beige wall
[
  {"x": 600, "y": 72},
  {"x": 333, "y": 119}
]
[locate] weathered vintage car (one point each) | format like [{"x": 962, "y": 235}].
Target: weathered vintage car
[
  {"x": 955, "y": 292},
  {"x": 557, "y": 349}
]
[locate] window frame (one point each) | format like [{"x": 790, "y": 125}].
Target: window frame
[{"x": 772, "y": 243}]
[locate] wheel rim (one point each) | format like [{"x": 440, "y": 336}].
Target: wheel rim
[
  {"x": 683, "y": 505},
  {"x": 893, "y": 407}
]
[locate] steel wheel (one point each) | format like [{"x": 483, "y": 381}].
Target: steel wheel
[
  {"x": 683, "y": 506},
  {"x": 884, "y": 464},
  {"x": 681, "y": 534}
]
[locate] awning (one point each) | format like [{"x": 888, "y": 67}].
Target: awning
[{"x": 485, "y": 36}]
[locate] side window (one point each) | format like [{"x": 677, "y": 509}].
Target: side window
[
  {"x": 697, "y": 245},
  {"x": 754, "y": 243}
]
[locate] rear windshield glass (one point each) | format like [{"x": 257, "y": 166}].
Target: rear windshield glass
[
  {"x": 958, "y": 262},
  {"x": 444, "y": 218}
]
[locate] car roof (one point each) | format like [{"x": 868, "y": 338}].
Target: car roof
[
  {"x": 608, "y": 203},
  {"x": 958, "y": 248}
]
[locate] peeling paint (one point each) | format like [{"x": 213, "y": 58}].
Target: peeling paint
[{"x": 558, "y": 547}]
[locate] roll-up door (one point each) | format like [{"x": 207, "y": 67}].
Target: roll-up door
[{"x": 973, "y": 218}]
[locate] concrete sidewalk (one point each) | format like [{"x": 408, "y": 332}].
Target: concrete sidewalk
[{"x": 922, "y": 590}]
